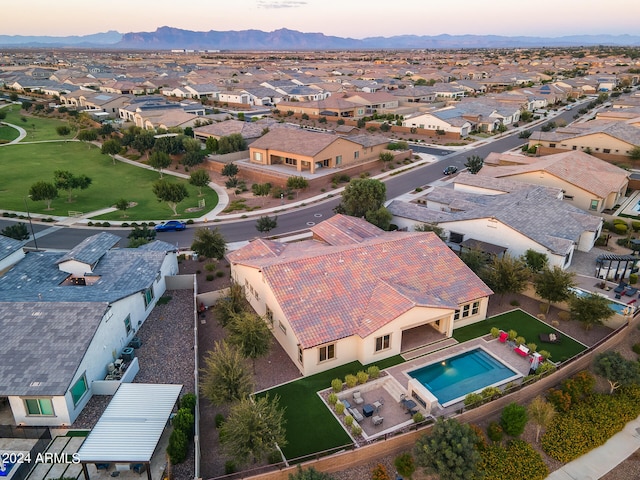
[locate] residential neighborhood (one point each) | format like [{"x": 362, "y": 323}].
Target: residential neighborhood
[{"x": 352, "y": 250}]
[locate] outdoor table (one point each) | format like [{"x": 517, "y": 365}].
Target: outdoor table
[
  {"x": 367, "y": 410},
  {"x": 410, "y": 405}
]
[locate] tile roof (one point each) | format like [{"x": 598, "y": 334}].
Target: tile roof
[
  {"x": 299, "y": 142},
  {"x": 575, "y": 167},
  {"x": 332, "y": 291},
  {"x": 9, "y": 246},
  {"x": 91, "y": 248},
  {"x": 43, "y": 344}
]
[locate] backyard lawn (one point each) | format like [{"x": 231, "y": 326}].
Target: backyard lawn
[
  {"x": 528, "y": 327},
  {"x": 311, "y": 427},
  {"x": 25, "y": 164},
  {"x": 37, "y": 128}
]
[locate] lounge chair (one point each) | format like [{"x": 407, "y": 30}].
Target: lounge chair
[
  {"x": 377, "y": 420},
  {"x": 346, "y": 403},
  {"x": 522, "y": 351},
  {"x": 503, "y": 337},
  {"x": 357, "y": 416},
  {"x": 620, "y": 288},
  {"x": 357, "y": 398},
  {"x": 550, "y": 337},
  {"x": 630, "y": 291}
]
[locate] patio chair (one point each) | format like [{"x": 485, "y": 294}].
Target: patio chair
[
  {"x": 357, "y": 398},
  {"x": 550, "y": 337},
  {"x": 620, "y": 288},
  {"x": 377, "y": 420},
  {"x": 630, "y": 291},
  {"x": 357, "y": 416},
  {"x": 503, "y": 337}
]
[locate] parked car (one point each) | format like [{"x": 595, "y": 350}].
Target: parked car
[
  {"x": 171, "y": 225},
  {"x": 450, "y": 170}
]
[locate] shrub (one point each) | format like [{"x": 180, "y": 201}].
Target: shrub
[
  {"x": 620, "y": 228},
  {"x": 513, "y": 419},
  {"x": 210, "y": 277},
  {"x": 405, "y": 465},
  {"x": 184, "y": 420},
  {"x": 178, "y": 445},
  {"x": 494, "y": 432},
  {"x": 417, "y": 417},
  {"x": 559, "y": 399},
  {"x": 564, "y": 315},
  {"x": 546, "y": 367},
  {"x": 379, "y": 472},
  {"x": 545, "y": 354},
  {"x": 336, "y": 385},
  {"x": 580, "y": 386},
  {"x": 516, "y": 459},
  {"x": 633, "y": 278},
  {"x": 350, "y": 380},
  {"x": 373, "y": 371},
  {"x": 348, "y": 420},
  {"x": 219, "y": 274},
  {"x": 491, "y": 393},
  {"x": 219, "y": 420},
  {"x": 356, "y": 430},
  {"x": 209, "y": 267},
  {"x": 636, "y": 348},
  {"x": 106, "y": 224},
  {"x": 473, "y": 400},
  {"x": 512, "y": 335},
  {"x": 339, "y": 408},
  {"x": 532, "y": 347},
  {"x": 188, "y": 400},
  {"x": 520, "y": 340},
  {"x": 362, "y": 377},
  {"x": 495, "y": 332},
  {"x": 332, "y": 399}
]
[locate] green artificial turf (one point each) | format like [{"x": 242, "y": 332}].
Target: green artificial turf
[
  {"x": 311, "y": 427},
  {"x": 37, "y": 128},
  {"x": 24, "y": 164},
  {"x": 528, "y": 327}
]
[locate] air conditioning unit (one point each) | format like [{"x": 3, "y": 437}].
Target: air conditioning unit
[
  {"x": 128, "y": 353},
  {"x": 118, "y": 363}
]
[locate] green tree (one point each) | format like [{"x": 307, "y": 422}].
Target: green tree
[
  {"x": 199, "y": 179},
  {"x": 88, "y": 135},
  {"x": 169, "y": 145},
  {"x": 122, "y": 205},
  {"x": 634, "y": 153},
  {"x": 209, "y": 243},
  {"x": 430, "y": 227},
  {"x": 141, "y": 235},
  {"x": 65, "y": 180},
  {"x": 45, "y": 191},
  {"x": 261, "y": 190},
  {"x": 250, "y": 334},
  {"x": 362, "y": 195},
  {"x": 235, "y": 302},
  {"x": 449, "y": 451},
  {"x": 143, "y": 142},
  {"x": 230, "y": 170},
  {"x": 212, "y": 144},
  {"x": 231, "y": 143},
  {"x": 297, "y": 183},
  {"x": 552, "y": 284},
  {"x": 405, "y": 465},
  {"x": 616, "y": 369},
  {"x": 191, "y": 144},
  {"x": 476, "y": 260},
  {"x": 254, "y": 429},
  {"x": 172, "y": 193},
  {"x": 474, "y": 164},
  {"x": 535, "y": 261},
  {"x": 386, "y": 157},
  {"x": 266, "y": 223},
  {"x": 513, "y": 419},
  {"x": 309, "y": 474},
  {"x": 63, "y": 130},
  {"x": 226, "y": 376},
  {"x": 159, "y": 160},
  {"x": 111, "y": 147},
  {"x": 381, "y": 218},
  {"x": 590, "y": 310},
  {"x": 506, "y": 274},
  {"x": 17, "y": 231},
  {"x": 541, "y": 413}
]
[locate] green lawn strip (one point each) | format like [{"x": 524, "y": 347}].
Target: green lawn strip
[
  {"x": 528, "y": 327},
  {"x": 311, "y": 427},
  {"x": 8, "y": 133},
  {"x": 37, "y": 128},
  {"x": 23, "y": 165}
]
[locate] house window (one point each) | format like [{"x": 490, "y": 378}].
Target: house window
[
  {"x": 282, "y": 327},
  {"x": 328, "y": 352},
  {"x": 476, "y": 308},
  {"x": 356, "y": 155},
  {"x": 574, "y": 147},
  {"x": 257, "y": 156},
  {"x": 300, "y": 355},
  {"x": 148, "y": 296},
  {"x": 465, "y": 310},
  {"x": 606, "y": 150},
  {"x": 39, "y": 406},
  {"x": 339, "y": 160},
  {"x": 383, "y": 343},
  {"x": 127, "y": 324},
  {"x": 291, "y": 161},
  {"x": 79, "y": 389},
  {"x": 594, "y": 204},
  {"x": 568, "y": 197},
  {"x": 269, "y": 315},
  {"x": 456, "y": 316},
  {"x": 456, "y": 237},
  {"x": 552, "y": 145}
]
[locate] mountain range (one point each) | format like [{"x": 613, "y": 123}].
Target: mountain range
[{"x": 167, "y": 38}]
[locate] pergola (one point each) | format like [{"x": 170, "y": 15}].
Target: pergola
[
  {"x": 131, "y": 426},
  {"x": 607, "y": 261}
]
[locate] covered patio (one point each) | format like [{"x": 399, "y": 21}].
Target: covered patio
[{"x": 128, "y": 432}]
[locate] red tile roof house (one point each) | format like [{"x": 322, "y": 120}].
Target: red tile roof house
[{"x": 353, "y": 292}]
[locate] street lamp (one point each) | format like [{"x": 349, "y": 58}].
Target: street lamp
[{"x": 35, "y": 242}]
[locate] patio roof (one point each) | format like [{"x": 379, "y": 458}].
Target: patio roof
[
  {"x": 485, "y": 247},
  {"x": 132, "y": 424}
]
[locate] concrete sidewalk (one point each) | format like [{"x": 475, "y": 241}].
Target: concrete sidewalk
[{"x": 600, "y": 461}]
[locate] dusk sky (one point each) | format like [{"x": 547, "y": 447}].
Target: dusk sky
[{"x": 345, "y": 18}]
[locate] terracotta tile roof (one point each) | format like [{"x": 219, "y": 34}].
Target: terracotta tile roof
[{"x": 328, "y": 292}]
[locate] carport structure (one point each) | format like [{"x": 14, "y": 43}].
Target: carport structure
[{"x": 130, "y": 428}]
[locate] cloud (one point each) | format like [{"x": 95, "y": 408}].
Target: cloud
[{"x": 280, "y": 3}]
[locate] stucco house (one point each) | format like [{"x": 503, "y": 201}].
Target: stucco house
[
  {"x": 587, "y": 182},
  {"x": 512, "y": 216},
  {"x": 354, "y": 292},
  {"x": 66, "y": 316},
  {"x": 451, "y": 120},
  {"x": 309, "y": 151}
]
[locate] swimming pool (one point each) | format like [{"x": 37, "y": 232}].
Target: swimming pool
[
  {"x": 619, "y": 308},
  {"x": 451, "y": 379}
]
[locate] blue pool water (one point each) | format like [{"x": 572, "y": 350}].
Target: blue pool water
[
  {"x": 459, "y": 375},
  {"x": 619, "y": 308}
]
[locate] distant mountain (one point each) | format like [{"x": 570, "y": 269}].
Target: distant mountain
[{"x": 167, "y": 38}]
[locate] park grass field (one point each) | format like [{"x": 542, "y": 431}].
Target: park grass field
[
  {"x": 38, "y": 128},
  {"x": 25, "y": 164},
  {"x": 8, "y": 133}
]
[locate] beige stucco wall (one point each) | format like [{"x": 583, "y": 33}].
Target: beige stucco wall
[{"x": 597, "y": 142}]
